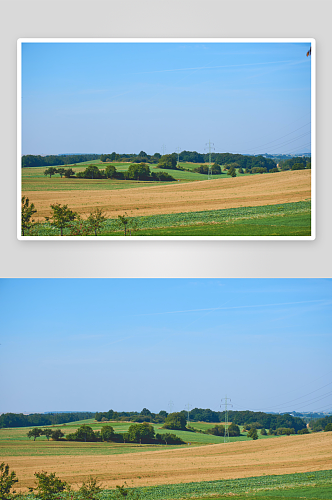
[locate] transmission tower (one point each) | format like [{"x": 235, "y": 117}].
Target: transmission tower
[
  {"x": 188, "y": 407},
  {"x": 170, "y": 406},
  {"x": 210, "y": 146},
  {"x": 226, "y": 435},
  {"x": 178, "y": 149},
  {"x": 163, "y": 147}
]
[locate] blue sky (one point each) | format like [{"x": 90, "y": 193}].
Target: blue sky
[
  {"x": 125, "y": 344},
  {"x": 127, "y": 97}
]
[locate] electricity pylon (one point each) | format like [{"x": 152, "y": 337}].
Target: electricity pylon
[
  {"x": 188, "y": 406},
  {"x": 178, "y": 149},
  {"x": 211, "y": 147},
  {"x": 226, "y": 435}
]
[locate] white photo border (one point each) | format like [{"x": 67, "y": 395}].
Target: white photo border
[{"x": 312, "y": 41}]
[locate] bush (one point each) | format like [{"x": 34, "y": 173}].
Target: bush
[
  {"x": 175, "y": 421},
  {"x": 328, "y": 427},
  {"x": 252, "y": 433},
  {"x": 6, "y": 481},
  {"x": 217, "y": 430},
  {"x": 234, "y": 430},
  {"x": 168, "y": 438},
  {"x": 49, "y": 485},
  {"x": 89, "y": 489},
  {"x": 141, "y": 433},
  {"x": 303, "y": 431},
  {"x": 263, "y": 432}
]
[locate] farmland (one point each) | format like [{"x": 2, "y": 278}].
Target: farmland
[
  {"x": 178, "y": 205},
  {"x": 150, "y": 465}
]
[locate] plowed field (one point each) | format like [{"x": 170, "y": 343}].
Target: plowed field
[
  {"x": 284, "y": 455},
  {"x": 256, "y": 190}
]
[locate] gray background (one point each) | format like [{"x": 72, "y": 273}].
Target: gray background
[{"x": 160, "y": 18}]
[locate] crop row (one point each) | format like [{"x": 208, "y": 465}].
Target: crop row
[
  {"x": 222, "y": 487},
  {"x": 193, "y": 218}
]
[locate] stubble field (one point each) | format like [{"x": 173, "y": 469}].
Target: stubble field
[
  {"x": 285, "y": 455},
  {"x": 143, "y": 200}
]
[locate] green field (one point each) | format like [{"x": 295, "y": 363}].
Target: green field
[
  {"x": 287, "y": 219},
  {"x": 33, "y": 178},
  {"x": 309, "y": 485},
  {"x": 14, "y": 441}
]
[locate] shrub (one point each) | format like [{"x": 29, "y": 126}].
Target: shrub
[
  {"x": 6, "y": 481},
  {"x": 303, "y": 431},
  {"x": 328, "y": 427},
  {"x": 49, "y": 485},
  {"x": 175, "y": 421},
  {"x": 217, "y": 430},
  {"x": 89, "y": 489},
  {"x": 168, "y": 438}
]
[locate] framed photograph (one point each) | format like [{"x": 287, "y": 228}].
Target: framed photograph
[{"x": 161, "y": 139}]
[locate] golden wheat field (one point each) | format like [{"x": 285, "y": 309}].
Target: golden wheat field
[
  {"x": 285, "y": 455},
  {"x": 249, "y": 191}
]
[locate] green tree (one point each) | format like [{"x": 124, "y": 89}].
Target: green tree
[
  {"x": 96, "y": 220},
  {"x": 57, "y": 435},
  {"x": 141, "y": 433},
  {"x": 91, "y": 172},
  {"x": 107, "y": 432},
  {"x": 140, "y": 172},
  {"x": 263, "y": 432},
  {"x": 27, "y": 212},
  {"x": 47, "y": 432},
  {"x": 69, "y": 172},
  {"x": 298, "y": 166},
  {"x": 303, "y": 431},
  {"x": 234, "y": 430},
  {"x": 50, "y": 171},
  {"x": 7, "y": 480},
  {"x": 328, "y": 428},
  {"x": 61, "y": 171},
  {"x": 49, "y": 485},
  {"x": 168, "y": 161},
  {"x": 232, "y": 172},
  {"x": 110, "y": 171},
  {"x": 175, "y": 421},
  {"x": 217, "y": 430},
  {"x": 35, "y": 432},
  {"x": 85, "y": 433},
  {"x": 253, "y": 433},
  {"x": 62, "y": 216}
]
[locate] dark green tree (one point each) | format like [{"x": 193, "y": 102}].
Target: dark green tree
[
  {"x": 234, "y": 430},
  {"x": 57, "y": 434},
  {"x": 47, "y": 432},
  {"x": 141, "y": 433},
  {"x": 328, "y": 428},
  {"x": 253, "y": 433},
  {"x": 263, "y": 432},
  {"x": 35, "y": 432},
  {"x": 175, "y": 421},
  {"x": 62, "y": 216},
  {"x": 217, "y": 430},
  {"x": 231, "y": 172},
  {"x": 7, "y": 480},
  {"x": 96, "y": 220},
  {"x": 110, "y": 171},
  {"x": 168, "y": 161},
  {"x": 140, "y": 172},
  {"x": 91, "y": 172},
  {"x": 298, "y": 166},
  {"x": 27, "y": 212},
  {"x": 107, "y": 432},
  {"x": 61, "y": 171},
  {"x": 50, "y": 171},
  {"x": 69, "y": 172}
]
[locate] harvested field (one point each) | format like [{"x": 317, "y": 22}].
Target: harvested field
[
  {"x": 284, "y": 455},
  {"x": 249, "y": 191}
]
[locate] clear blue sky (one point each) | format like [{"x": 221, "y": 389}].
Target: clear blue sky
[
  {"x": 125, "y": 344},
  {"x": 127, "y": 97}
]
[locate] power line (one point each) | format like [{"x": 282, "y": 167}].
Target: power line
[{"x": 274, "y": 140}]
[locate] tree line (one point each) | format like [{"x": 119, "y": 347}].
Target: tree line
[
  {"x": 51, "y": 160},
  {"x": 139, "y": 172},
  {"x": 261, "y": 419},
  {"x": 21, "y": 420}
]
